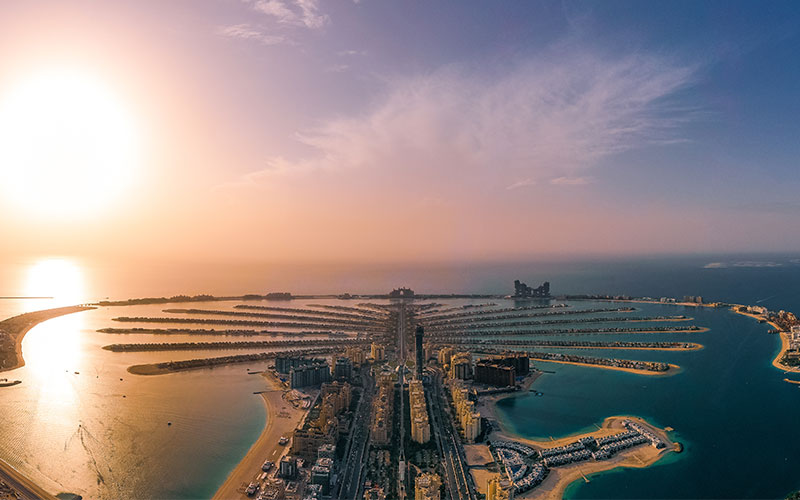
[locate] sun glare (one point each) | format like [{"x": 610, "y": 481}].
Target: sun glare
[
  {"x": 68, "y": 145},
  {"x": 58, "y": 278}
]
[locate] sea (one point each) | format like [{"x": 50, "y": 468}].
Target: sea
[{"x": 81, "y": 423}]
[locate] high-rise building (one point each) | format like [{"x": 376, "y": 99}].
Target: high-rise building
[
  {"x": 420, "y": 426},
  {"x": 427, "y": 487},
  {"x": 343, "y": 369},
  {"x": 288, "y": 467},
  {"x": 445, "y": 353},
  {"x": 378, "y": 352},
  {"x": 499, "y": 489},
  {"x": 321, "y": 474},
  {"x": 306, "y": 375},
  {"x": 461, "y": 366},
  {"x": 420, "y": 351},
  {"x": 491, "y": 373},
  {"x": 356, "y": 355}
]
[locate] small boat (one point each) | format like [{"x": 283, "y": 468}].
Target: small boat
[{"x": 8, "y": 383}]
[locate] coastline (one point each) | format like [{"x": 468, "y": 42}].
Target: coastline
[
  {"x": 18, "y": 482},
  {"x": 282, "y": 419},
  {"x": 17, "y": 326},
  {"x": 560, "y": 478},
  {"x": 776, "y": 362},
  {"x": 695, "y": 347},
  {"x": 673, "y": 369}
]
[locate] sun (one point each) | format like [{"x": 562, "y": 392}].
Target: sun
[{"x": 68, "y": 145}]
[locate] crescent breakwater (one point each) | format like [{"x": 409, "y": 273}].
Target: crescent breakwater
[
  {"x": 14, "y": 329},
  {"x": 207, "y": 346}
]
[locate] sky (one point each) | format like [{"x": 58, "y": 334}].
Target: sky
[{"x": 340, "y": 130}]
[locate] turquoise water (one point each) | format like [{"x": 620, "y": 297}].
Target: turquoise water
[{"x": 729, "y": 406}]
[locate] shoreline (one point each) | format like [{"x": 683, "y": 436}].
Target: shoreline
[
  {"x": 673, "y": 369},
  {"x": 560, "y": 478},
  {"x": 776, "y": 362},
  {"x": 17, "y": 326},
  {"x": 281, "y": 420},
  {"x": 21, "y": 484},
  {"x": 695, "y": 347}
]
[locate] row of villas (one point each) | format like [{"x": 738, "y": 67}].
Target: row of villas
[
  {"x": 525, "y": 476},
  {"x": 522, "y": 476}
]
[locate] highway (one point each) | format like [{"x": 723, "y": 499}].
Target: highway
[
  {"x": 456, "y": 475},
  {"x": 401, "y": 359},
  {"x": 352, "y": 484}
]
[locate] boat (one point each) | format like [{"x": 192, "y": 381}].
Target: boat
[{"x": 8, "y": 383}]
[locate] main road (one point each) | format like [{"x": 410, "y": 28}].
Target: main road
[
  {"x": 456, "y": 476},
  {"x": 401, "y": 359},
  {"x": 358, "y": 446}
]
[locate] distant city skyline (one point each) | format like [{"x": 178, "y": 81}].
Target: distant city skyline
[{"x": 270, "y": 130}]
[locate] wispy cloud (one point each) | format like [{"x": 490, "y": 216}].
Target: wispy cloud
[
  {"x": 295, "y": 12},
  {"x": 247, "y": 32},
  {"x": 571, "y": 181},
  {"x": 337, "y": 68},
  {"x": 550, "y": 117},
  {"x": 350, "y": 53},
  {"x": 522, "y": 183}
]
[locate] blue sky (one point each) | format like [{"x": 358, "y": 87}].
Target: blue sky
[{"x": 581, "y": 127}]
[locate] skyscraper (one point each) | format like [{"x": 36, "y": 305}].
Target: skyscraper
[{"x": 420, "y": 351}]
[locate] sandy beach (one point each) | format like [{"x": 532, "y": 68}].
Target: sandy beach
[
  {"x": 673, "y": 369},
  {"x": 16, "y": 328},
  {"x": 282, "y": 419},
  {"x": 22, "y": 485},
  {"x": 693, "y": 347},
  {"x": 784, "y": 339}
]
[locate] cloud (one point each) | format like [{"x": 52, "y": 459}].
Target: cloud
[
  {"x": 304, "y": 13},
  {"x": 337, "y": 68},
  {"x": 571, "y": 181},
  {"x": 553, "y": 116},
  {"x": 522, "y": 183},
  {"x": 742, "y": 263},
  {"x": 350, "y": 53},
  {"x": 247, "y": 32}
]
